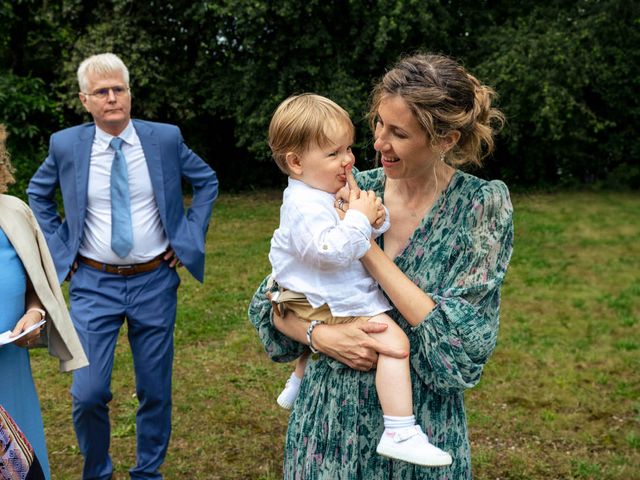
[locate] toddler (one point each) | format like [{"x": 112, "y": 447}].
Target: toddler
[{"x": 315, "y": 259}]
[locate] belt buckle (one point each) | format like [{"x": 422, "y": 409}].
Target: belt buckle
[{"x": 124, "y": 269}]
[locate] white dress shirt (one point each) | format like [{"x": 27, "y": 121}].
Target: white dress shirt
[
  {"x": 149, "y": 239},
  {"x": 315, "y": 253}
]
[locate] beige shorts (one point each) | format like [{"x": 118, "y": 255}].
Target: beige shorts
[{"x": 288, "y": 300}]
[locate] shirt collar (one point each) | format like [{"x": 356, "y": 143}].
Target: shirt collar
[
  {"x": 300, "y": 185},
  {"x": 128, "y": 135}
]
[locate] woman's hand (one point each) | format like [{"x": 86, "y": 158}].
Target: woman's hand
[
  {"x": 349, "y": 343},
  {"x": 28, "y": 319}
]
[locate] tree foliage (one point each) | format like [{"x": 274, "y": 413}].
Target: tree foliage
[
  {"x": 568, "y": 79},
  {"x": 566, "y": 73}
]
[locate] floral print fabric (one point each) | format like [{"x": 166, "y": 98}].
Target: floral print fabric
[
  {"x": 16, "y": 453},
  {"x": 459, "y": 256}
]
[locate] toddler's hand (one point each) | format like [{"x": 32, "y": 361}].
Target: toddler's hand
[
  {"x": 341, "y": 203},
  {"x": 365, "y": 202},
  {"x": 381, "y": 214}
]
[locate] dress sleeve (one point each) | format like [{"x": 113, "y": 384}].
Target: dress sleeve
[
  {"x": 450, "y": 347},
  {"x": 279, "y": 347}
]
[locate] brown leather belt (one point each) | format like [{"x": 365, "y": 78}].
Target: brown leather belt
[{"x": 124, "y": 269}]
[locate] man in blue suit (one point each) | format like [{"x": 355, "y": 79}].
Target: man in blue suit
[{"x": 124, "y": 231}]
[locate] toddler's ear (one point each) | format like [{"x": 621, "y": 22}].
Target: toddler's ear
[{"x": 294, "y": 163}]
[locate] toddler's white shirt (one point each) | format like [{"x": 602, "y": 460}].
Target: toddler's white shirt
[{"x": 315, "y": 253}]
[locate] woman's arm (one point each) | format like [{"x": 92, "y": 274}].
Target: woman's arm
[
  {"x": 412, "y": 303},
  {"x": 32, "y": 315},
  {"x": 455, "y": 324},
  {"x": 349, "y": 343},
  {"x": 279, "y": 347},
  {"x": 285, "y": 339}
]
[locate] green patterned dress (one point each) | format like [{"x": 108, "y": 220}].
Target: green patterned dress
[{"x": 459, "y": 256}]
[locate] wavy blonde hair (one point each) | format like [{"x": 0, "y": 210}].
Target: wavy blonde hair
[
  {"x": 444, "y": 97},
  {"x": 6, "y": 169},
  {"x": 303, "y": 120}
]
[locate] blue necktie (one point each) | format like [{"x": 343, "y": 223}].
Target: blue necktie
[{"x": 121, "y": 228}]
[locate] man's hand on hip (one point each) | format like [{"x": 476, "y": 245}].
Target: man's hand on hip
[{"x": 172, "y": 258}]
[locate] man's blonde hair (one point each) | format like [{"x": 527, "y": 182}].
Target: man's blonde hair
[{"x": 301, "y": 121}]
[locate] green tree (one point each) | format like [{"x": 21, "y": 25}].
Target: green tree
[
  {"x": 221, "y": 68},
  {"x": 30, "y": 41},
  {"x": 568, "y": 77},
  {"x": 566, "y": 73}
]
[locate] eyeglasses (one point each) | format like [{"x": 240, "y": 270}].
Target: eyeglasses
[{"x": 102, "y": 93}]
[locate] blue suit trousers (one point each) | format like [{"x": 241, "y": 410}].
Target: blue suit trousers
[{"x": 100, "y": 303}]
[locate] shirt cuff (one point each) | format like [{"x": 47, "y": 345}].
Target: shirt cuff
[{"x": 359, "y": 221}]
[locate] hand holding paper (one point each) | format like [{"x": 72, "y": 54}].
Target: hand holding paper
[{"x": 7, "y": 338}]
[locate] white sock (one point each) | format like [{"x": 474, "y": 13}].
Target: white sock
[
  {"x": 288, "y": 395},
  {"x": 393, "y": 424},
  {"x": 294, "y": 380}
]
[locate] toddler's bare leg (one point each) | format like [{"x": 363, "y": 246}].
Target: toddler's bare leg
[
  {"x": 301, "y": 363},
  {"x": 402, "y": 438},
  {"x": 393, "y": 380}
]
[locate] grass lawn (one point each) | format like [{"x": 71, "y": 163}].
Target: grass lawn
[{"x": 560, "y": 398}]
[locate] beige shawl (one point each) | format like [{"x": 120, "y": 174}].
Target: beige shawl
[{"x": 22, "y": 230}]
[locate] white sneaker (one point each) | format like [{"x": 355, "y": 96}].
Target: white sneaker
[
  {"x": 290, "y": 393},
  {"x": 412, "y": 445}
]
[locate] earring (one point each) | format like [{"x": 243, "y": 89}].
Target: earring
[{"x": 442, "y": 154}]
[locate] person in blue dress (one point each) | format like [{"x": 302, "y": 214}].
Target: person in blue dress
[{"x": 29, "y": 293}]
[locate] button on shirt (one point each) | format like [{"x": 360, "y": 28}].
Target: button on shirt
[
  {"x": 315, "y": 253},
  {"x": 149, "y": 239}
]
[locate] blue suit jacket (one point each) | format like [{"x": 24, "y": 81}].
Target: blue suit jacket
[{"x": 168, "y": 159}]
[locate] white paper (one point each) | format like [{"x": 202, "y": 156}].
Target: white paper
[{"x": 5, "y": 338}]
